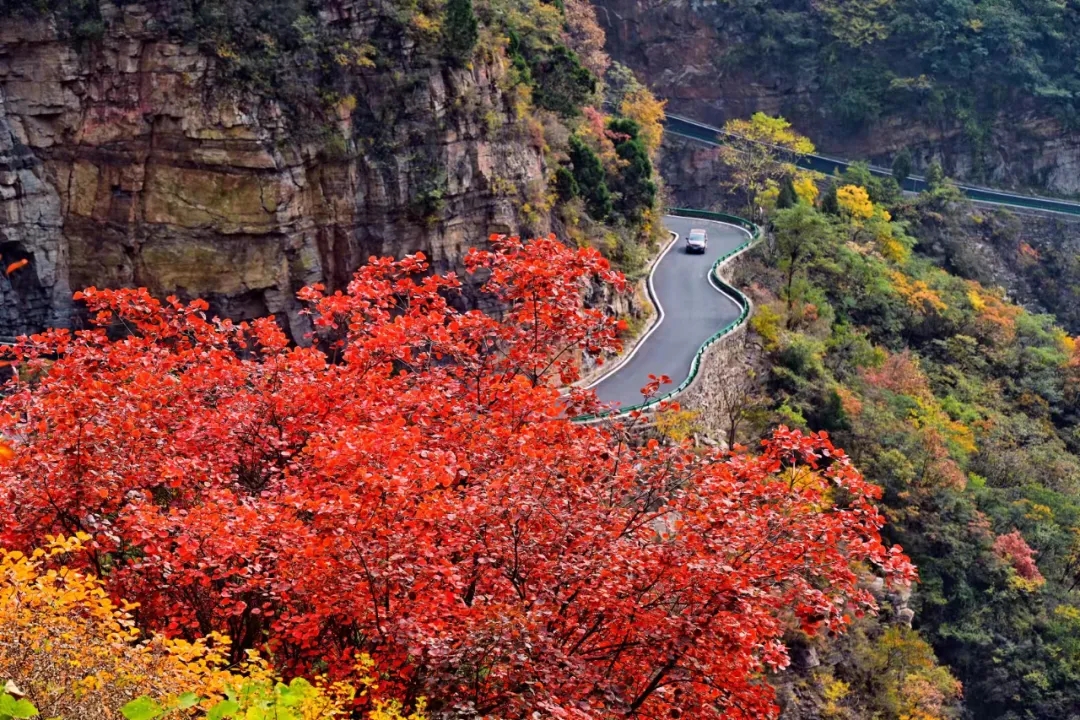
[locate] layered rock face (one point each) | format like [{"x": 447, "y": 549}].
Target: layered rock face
[
  {"x": 123, "y": 163},
  {"x": 677, "y": 48}
]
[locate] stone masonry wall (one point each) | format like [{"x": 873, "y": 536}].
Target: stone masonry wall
[{"x": 721, "y": 360}]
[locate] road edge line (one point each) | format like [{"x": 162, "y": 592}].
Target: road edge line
[{"x": 656, "y": 323}]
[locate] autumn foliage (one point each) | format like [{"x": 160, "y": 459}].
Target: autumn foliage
[
  {"x": 1012, "y": 548},
  {"x": 411, "y": 487},
  {"x": 72, "y": 653}
]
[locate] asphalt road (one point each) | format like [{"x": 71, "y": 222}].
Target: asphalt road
[{"x": 694, "y": 310}]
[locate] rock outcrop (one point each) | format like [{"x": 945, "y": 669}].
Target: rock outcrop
[
  {"x": 123, "y": 162},
  {"x": 678, "y": 49}
]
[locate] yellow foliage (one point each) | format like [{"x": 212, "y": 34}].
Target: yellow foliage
[
  {"x": 855, "y": 201},
  {"x": 917, "y": 293},
  {"x": 770, "y": 130},
  {"x": 805, "y": 480},
  {"x": 1067, "y": 344},
  {"x": 392, "y": 711},
  {"x": 1035, "y": 511},
  {"x": 652, "y": 227},
  {"x": 834, "y": 691},
  {"x": 805, "y": 187},
  {"x": 643, "y": 107},
  {"x": 226, "y": 52},
  {"x": 996, "y": 316},
  {"x": 75, "y": 654},
  {"x": 961, "y": 435},
  {"x": 426, "y": 26},
  {"x": 894, "y": 250},
  {"x": 767, "y": 323},
  {"x": 358, "y": 55},
  {"x": 856, "y": 22},
  {"x": 677, "y": 424},
  {"x": 977, "y": 303},
  {"x": 768, "y": 197},
  {"x": 916, "y": 687},
  {"x": 1023, "y": 584},
  {"x": 1069, "y": 613},
  {"x": 760, "y": 149},
  {"x": 891, "y": 247}
]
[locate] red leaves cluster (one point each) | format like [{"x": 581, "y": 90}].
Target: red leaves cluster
[
  {"x": 411, "y": 487},
  {"x": 1012, "y": 548}
]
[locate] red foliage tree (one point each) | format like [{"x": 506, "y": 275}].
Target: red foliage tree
[
  {"x": 1013, "y": 549},
  {"x": 410, "y": 487}
]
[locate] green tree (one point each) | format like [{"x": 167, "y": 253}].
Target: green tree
[
  {"x": 829, "y": 202},
  {"x": 798, "y": 232},
  {"x": 566, "y": 185},
  {"x": 460, "y": 30},
  {"x": 563, "y": 84},
  {"x": 882, "y": 190},
  {"x": 591, "y": 179},
  {"x": 634, "y": 183},
  {"x": 901, "y": 167},
  {"x": 935, "y": 176},
  {"x": 787, "y": 197}
]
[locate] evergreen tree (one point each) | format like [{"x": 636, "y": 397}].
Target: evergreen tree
[
  {"x": 935, "y": 175},
  {"x": 565, "y": 185},
  {"x": 901, "y": 167},
  {"x": 829, "y": 203},
  {"x": 460, "y": 30},
  {"x": 563, "y": 84},
  {"x": 591, "y": 180},
  {"x": 634, "y": 183},
  {"x": 787, "y": 197}
]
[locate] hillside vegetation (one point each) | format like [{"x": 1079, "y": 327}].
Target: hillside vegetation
[
  {"x": 408, "y": 500},
  {"x": 962, "y": 406},
  {"x": 964, "y": 60}
]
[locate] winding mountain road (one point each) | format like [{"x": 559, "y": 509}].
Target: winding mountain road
[
  {"x": 692, "y": 306},
  {"x": 692, "y": 309}
]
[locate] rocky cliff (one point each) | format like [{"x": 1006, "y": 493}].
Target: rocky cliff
[
  {"x": 126, "y": 161},
  {"x": 713, "y": 67}
]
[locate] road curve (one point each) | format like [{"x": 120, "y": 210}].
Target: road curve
[{"x": 693, "y": 311}]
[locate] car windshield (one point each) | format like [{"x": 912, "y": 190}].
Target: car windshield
[{"x": 697, "y": 236}]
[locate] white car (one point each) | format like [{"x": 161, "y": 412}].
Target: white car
[{"x": 697, "y": 241}]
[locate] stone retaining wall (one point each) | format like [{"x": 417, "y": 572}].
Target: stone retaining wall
[{"x": 726, "y": 356}]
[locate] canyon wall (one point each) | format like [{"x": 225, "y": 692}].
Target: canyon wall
[
  {"x": 682, "y": 49},
  {"x": 126, "y": 161}
]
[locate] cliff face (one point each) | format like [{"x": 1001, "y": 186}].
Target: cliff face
[
  {"x": 124, "y": 162},
  {"x": 684, "y": 51}
]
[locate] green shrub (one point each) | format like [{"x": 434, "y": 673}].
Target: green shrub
[
  {"x": 591, "y": 179},
  {"x": 562, "y": 84},
  {"x": 461, "y": 30},
  {"x": 634, "y": 183},
  {"x": 566, "y": 185}
]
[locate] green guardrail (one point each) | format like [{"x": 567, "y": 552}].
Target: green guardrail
[
  {"x": 710, "y": 135},
  {"x": 734, "y": 292}
]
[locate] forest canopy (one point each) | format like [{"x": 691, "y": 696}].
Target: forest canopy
[{"x": 962, "y": 60}]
